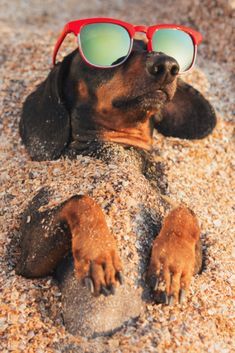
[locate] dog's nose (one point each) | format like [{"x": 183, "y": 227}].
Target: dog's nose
[{"x": 163, "y": 67}]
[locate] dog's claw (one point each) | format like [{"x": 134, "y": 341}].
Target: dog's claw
[
  {"x": 166, "y": 301},
  {"x": 153, "y": 282},
  {"x": 89, "y": 284},
  {"x": 105, "y": 291},
  {"x": 171, "y": 300},
  {"x": 120, "y": 277},
  {"x": 182, "y": 296},
  {"x": 112, "y": 289}
]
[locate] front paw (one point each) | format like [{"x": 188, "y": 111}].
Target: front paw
[
  {"x": 173, "y": 255},
  {"x": 96, "y": 260},
  {"x": 100, "y": 269}
]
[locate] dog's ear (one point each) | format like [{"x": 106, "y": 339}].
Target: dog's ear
[
  {"x": 189, "y": 115},
  {"x": 45, "y": 121}
]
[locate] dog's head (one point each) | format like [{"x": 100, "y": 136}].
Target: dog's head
[{"x": 78, "y": 103}]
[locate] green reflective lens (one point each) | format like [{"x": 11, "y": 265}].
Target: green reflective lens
[
  {"x": 104, "y": 44},
  {"x": 176, "y": 44}
]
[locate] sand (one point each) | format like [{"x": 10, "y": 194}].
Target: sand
[{"x": 200, "y": 173}]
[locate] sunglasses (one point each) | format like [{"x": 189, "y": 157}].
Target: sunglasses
[{"x": 106, "y": 42}]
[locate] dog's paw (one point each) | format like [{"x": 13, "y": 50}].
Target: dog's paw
[
  {"x": 94, "y": 249},
  {"x": 172, "y": 262},
  {"x": 173, "y": 256},
  {"x": 99, "y": 267}
]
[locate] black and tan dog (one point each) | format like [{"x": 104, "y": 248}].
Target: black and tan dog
[{"x": 79, "y": 109}]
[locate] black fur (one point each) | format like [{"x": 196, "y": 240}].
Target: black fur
[
  {"x": 45, "y": 121},
  {"x": 189, "y": 115}
]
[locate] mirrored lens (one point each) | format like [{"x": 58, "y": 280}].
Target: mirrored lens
[
  {"x": 176, "y": 44},
  {"x": 104, "y": 44}
]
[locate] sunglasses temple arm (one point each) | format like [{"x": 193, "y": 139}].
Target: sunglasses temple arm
[
  {"x": 60, "y": 40},
  {"x": 198, "y": 37}
]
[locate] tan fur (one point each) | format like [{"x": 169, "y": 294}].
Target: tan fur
[
  {"x": 139, "y": 136},
  {"x": 93, "y": 246},
  {"x": 83, "y": 91},
  {"x": 173, "y": 253}
]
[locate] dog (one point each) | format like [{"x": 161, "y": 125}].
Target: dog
[{"x": 108, "y": 117}]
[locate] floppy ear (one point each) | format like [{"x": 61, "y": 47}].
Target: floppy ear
[
  {"x": 189, "y": 115},
  {"x": 45, "y": 121}
]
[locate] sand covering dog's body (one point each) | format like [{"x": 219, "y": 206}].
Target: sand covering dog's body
[
  {"x": 137, "y": 226},
  {"x": 134, "y": 228}
]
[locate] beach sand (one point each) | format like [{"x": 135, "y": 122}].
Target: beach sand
[{"x": 200, "y": 173}]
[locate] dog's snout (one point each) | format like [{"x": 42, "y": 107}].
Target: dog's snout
[{"x": 164, "y": 68}]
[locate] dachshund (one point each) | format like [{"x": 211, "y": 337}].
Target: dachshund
[{"x": 109, "y": 116}]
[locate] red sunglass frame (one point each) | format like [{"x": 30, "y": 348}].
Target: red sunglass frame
[{"x": 76, "y": 26}]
